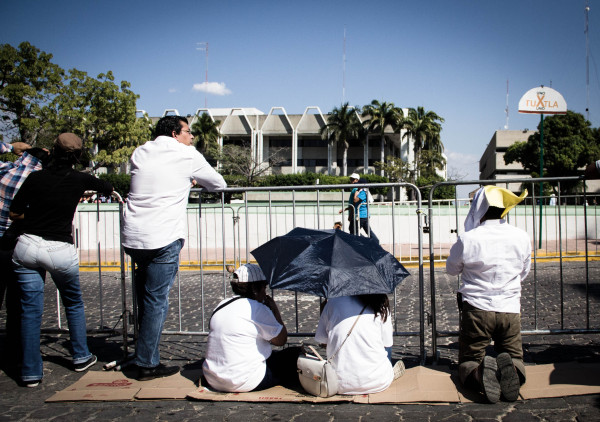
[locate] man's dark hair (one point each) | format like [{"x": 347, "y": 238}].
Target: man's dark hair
[
  {"x": 247, "y": 290},
  {"x": 169, "y": 124},
  {"x": 61, "y": 158},
  {"x": 493, "y": 213}
]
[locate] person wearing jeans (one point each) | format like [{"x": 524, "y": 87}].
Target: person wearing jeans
[
  {"x": 33, "y": 256},
  {"x": 162, "y": 173},
  {"x": 154, "y": 276},
  {"x": 45, "y": 205}
]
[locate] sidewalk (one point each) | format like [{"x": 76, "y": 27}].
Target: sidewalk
[{"x": 19, "y": 403}]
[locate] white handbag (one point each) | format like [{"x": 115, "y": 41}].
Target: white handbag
[{"x": 316, "y": 374}]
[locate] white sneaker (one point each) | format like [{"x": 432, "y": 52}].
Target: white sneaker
[{"x": 399, "y": 369}]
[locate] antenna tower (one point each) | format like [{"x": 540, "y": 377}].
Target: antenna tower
[
  {"x": 344, "y": 69},
  {"x": 203, "y": 46},
  {"x": 506, "y": 109},
  {"x": 587, "y": 60}
]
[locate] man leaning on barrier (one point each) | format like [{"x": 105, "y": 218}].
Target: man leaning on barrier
[
  {"x": 162, "y": 173},
  {"x": 494, "y": 258}
]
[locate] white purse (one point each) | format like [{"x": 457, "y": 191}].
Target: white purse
[{"x": 316, "y": 374}]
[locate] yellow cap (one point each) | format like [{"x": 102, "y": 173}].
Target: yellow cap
[{"x": 502, "y": 198}]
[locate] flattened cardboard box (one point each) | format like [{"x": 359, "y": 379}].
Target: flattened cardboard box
[
  {"x": 561, "y": 379},
  {"x": 417, "y": 385},
  {"x": 114, "y": 386}
]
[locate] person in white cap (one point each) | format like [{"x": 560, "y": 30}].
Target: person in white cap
[
  {"x": 494, "y": 258},
  {"x": 241, "y": 331},
  {"x": 358, "y": 203}
]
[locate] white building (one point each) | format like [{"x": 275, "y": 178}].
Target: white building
[{"x": 305, "y": 149}]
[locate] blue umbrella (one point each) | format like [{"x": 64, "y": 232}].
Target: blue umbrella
[{"x": 328, "y": 263}]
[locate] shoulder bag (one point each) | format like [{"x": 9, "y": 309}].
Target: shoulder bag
[{"x": 316, "y": 374}]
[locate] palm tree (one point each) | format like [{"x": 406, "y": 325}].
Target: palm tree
[
  {"x": 343, "y": 125},
  {"x": 380, "y": 116},
  {"x": 206, "y": 131},
  {"x": 424, "y": 127}
]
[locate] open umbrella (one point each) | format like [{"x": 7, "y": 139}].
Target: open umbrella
[{"x": 328, "y": 263}]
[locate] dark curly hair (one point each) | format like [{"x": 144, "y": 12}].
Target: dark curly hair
[
  {"x": 247, "y": 290},
  {"x": 169, "y": 124}
]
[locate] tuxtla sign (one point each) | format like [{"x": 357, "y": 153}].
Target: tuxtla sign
[{"x": 542, "y": 100}]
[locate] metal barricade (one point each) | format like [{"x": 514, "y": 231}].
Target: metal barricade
[
  {"x": 560, "y": 227},
  {"x": 250, "y": 225}
]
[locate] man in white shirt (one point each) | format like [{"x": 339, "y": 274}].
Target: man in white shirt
[
  {"x": 493, "y": 258},
  {"x": 162, "y": 173}
]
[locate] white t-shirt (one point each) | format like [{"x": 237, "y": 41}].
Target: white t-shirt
[
  {"x": 494, "y": 259},
  {"x": 162, "y": 171},
  {"x": 238, "y": 345},
  {"x": 362, "y": 364}
]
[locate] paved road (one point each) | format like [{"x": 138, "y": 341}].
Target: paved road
[{"x": 541, "y": 310}]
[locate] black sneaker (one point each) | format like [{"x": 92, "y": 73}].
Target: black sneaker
[
  {"x": 509, "y": 379},
  {"x": 489, "y": 379},
  {"x": 146, "y": 374},
  {"x": 80, "y": 367},
  {"x": 31, "y": 383}
]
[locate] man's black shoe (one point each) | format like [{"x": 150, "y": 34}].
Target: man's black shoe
[{"x": 146, "y": 374}]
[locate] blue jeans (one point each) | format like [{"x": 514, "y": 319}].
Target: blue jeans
[
  {"x": 33, "y": 256},
  {"x": 154, "y": 276},
  {"x": 363, "y": 223}
]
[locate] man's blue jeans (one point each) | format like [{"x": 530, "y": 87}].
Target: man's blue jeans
[
  {"x": 154, "y": 276},
  {"x": 33, "y": 256}
]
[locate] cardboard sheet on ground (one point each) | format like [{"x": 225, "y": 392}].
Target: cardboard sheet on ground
[{"x": 418, "y": 385}]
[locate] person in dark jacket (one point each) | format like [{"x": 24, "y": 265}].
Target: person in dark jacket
[{"x": 46, "y": 204}]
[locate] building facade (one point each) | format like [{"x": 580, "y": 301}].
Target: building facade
[{"x": 297, "y": 137}]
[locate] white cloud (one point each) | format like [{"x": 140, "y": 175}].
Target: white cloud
[
  {"x": 216, "y": 88},
  {"x": 172, "y": 90}
]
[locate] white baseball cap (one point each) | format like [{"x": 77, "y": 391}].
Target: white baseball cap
[
  {"x": 249, "y": 273},
  {"x": 354, "y": 176}
]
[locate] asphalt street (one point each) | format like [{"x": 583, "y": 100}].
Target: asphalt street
[{"x": 577, "y": 284}]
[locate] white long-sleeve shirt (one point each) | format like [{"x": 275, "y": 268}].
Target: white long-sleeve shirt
[
  {"x": 162, "y": 171},
  {"x": 494, "y": 259}
]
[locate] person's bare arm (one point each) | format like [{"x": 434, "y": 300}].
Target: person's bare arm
[
  {"x": 20, "y": 147},
  {"x": 281, "y": 338}
]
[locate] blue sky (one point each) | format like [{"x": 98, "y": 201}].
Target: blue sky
[{"x": 452, "y": 57}]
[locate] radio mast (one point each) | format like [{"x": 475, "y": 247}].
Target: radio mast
[
  {"x": 506, "y": 109},
  {"x": 203, "y": 46},
  {"x": 587, "y": 60}
]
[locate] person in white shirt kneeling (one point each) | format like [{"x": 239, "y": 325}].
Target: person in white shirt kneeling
[
  {"x": 241, "y": 331},
  {"x": 494, "y": 258}
]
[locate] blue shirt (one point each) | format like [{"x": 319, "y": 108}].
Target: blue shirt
[{"x": 361, "y": 205}]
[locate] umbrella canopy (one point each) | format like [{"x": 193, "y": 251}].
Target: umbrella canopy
[{"x": 328, "y": 263}]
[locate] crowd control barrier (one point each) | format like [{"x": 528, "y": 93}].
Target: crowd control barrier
[{"x": 562, "y": 228}]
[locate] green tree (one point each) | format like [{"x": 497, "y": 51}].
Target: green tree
[
  {"x": 343, "y": 125},
  {"x": 206, "y": 131},
  {"x": 379, "y": 117},
  {"x": 396, "y": 169},
  {"x": 28, "y": 80},
  {"x": 423, "y": 126},
  {"x": 426, "y": 181},
  {"x": 569, "y": 144},
  {"x": 238, "y": 160},
  {"x": 102, "y": 113}
]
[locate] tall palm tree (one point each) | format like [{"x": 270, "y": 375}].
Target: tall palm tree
[
  {"x": 343, "y": 125},
  {"x": 424, "y": 127},
  {"x": 206, "y": 131},
  {"x": 379, "y": 116}
]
